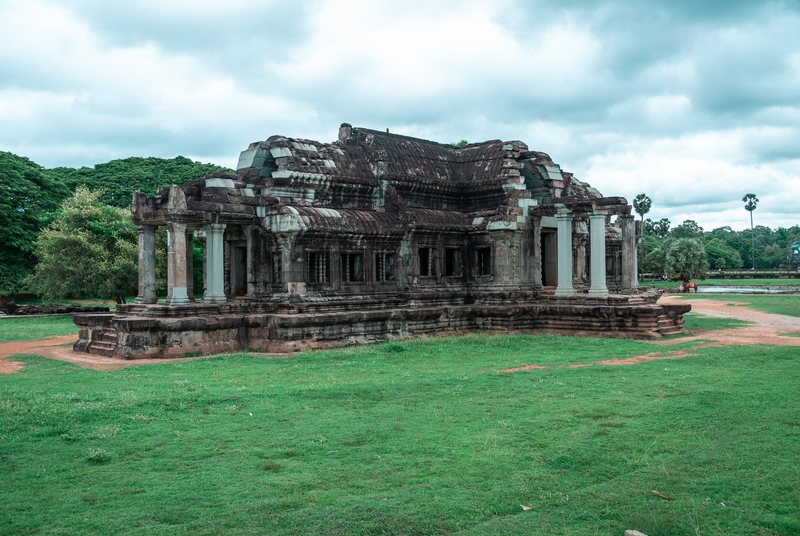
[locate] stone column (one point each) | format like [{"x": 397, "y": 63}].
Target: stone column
[
  {"x": 629, "y": 253},
  {"x": 536, "y": 255},
  {"x": 190, "y": 263},
  {"x": 248, "y": 270},
  {"x": 564, "y": 226},
  {"x": 147, "y": 264},
  {"x": 215, "y": 264},
  {"x": 597, "y": 248},
  {"x": 176, "y": 264}
]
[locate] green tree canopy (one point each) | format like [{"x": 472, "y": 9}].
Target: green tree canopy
[
  {"x": 658, "y": 228},
  {"x": 27, "y": 194},
  {"x": 688, "y": 229},
  {"x": 120, "y": 178},
  {"x": 88, "y": 251},
  {"x": 686, "y": 259}
]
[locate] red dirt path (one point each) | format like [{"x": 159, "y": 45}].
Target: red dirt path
[{"x": 765, "y": 329}]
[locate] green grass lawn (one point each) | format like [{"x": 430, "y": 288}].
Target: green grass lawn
[
  {"x": 35, "y": 328},
  {"x": 692, "y": 321},
  {"x": 768, "y": 303},
  {"x": 417, "y": 437}
]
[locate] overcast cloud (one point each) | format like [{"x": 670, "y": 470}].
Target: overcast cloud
[{"x": 693, "y": 102}]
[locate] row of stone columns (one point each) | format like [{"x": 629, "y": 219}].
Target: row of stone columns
[
  {"x": 597, "y": 248},
  {"x": 180, "y": 288}
]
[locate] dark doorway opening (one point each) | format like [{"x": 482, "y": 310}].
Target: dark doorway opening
[
  {"x": 239, "y": 271},
  {"x": 549, "y": 259}
]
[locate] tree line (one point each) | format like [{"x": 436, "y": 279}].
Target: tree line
[
  {"x": 66, "y": 232},
  {"x": 719, "y": 249}
]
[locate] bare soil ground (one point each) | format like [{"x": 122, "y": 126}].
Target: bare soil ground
[
  {"x": 766, "y": 328},
  {"x": 61, "y": 348}
]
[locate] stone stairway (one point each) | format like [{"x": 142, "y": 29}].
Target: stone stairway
[
  {"x": 104, "y": 345},
  {"x": 668, "y": 325}
]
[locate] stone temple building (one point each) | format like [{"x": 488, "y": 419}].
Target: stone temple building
[{"x": 378, "y": 236}]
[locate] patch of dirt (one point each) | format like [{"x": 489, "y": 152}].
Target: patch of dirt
[
  {"x": 765, "y": 328},
  {"x": 524, "y": 367},
  {"x": 61, "y": 348},
  {"x": 7, "y": 366}
]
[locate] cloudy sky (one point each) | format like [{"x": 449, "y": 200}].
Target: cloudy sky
[{"x": 694, "y": 102}]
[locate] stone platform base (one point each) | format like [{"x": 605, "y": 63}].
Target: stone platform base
[{"x": 142, "y": 332}]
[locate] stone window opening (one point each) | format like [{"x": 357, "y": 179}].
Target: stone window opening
[
  {"x": 384, "y": 266},
  {"x": 352, "y": 267},
  {"x": 318, "y": 271},
  {"x": 427, "y": 261},
  {"x": 453, "y": 266},
  {"x": 483, "y": 258}
]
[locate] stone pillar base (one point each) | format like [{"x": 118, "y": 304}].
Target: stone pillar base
[
  {"x": 598, "y": 291},
  {"x": 179, "y": 296}
]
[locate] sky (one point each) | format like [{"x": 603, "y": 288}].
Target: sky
[{"x": 694, "y": 103}]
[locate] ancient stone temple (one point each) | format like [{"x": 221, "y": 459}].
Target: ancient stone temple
[{"x": 377, "y": 236}]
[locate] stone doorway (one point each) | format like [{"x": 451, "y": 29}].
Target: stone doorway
[{"x": 239, "y": 270}]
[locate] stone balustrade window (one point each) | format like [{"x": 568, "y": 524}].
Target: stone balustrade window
[
  {"x": 318, "y": 269},
  {"x": 352, "y": 267},
  {"x": 453, "y": 264},
  {"x": 483, "y": 259},
  {"x": 384, "y": 266},
  {"x": 427, "y": 261}
]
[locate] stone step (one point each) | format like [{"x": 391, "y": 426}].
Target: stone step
[
  {"x": 105, "y": 349},
  {"x": 109, "y": 337},
  {"x": 673, "y": 331}
]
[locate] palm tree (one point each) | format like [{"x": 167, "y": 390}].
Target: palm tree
[
  {"x": 642, "y": 204},
  {"x": 751, "y": 202}
]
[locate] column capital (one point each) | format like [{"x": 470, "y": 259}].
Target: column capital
[
  {"x": 176, "y": 226},
  {"x": 563, "y": 213}
]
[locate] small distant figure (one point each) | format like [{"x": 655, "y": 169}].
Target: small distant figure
[
  {"x": 653, "y": 285},
  {"x": 682, "y": 287},
  {"x": 691, "y": 287}
]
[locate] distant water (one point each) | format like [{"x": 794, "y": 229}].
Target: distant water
[{"x": 743, "y": 290}]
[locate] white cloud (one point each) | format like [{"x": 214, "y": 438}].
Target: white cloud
[
  {"x": 700, "y": 177},
  {"x": 692, "y": 106}
]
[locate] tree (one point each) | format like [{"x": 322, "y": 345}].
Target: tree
[
  {"x": 750, "y": 204},
  {"x": 27, "y": 195},
  {"x": 688, "y": 229},
  {"x": 642, "y": 204},
  {"x": 120, "y": 178},
  {"x": 89, "y": 250},
  {"x": 658, "y": 228},
  {"x": 654, "y": 262},
  {"x": 686, "y": 259}
]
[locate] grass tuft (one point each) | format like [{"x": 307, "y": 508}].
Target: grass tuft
[{"x": 98, "y": 456}]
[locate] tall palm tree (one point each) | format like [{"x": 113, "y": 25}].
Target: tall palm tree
[
  {"x": 751, "y": 202},
  {"x": 641, "y": 204}
]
